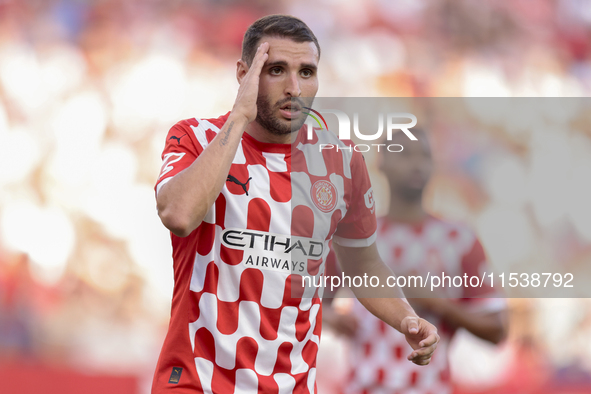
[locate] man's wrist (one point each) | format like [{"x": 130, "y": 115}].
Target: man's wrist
[
  {"x": 410, "y": 313},
  {"x": 240, "y": 120}
]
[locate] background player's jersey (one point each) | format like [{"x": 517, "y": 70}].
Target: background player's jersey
[
  {"x": 235, "y": 325},
  {"x": 377, "y": 355}
]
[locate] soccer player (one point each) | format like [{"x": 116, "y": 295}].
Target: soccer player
[
  {"x": 225, "y": 192},
  {"x": 413, "y": 242}
]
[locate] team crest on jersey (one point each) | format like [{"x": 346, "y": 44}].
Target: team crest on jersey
[{"x": 324, "y": 195}]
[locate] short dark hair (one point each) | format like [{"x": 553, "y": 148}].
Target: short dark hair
[{"x": 278, "y": 26}]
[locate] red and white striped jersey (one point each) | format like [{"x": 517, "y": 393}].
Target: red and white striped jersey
[
  {"x": 236, "y": 326},
  {"x": 377, "y": 353}
]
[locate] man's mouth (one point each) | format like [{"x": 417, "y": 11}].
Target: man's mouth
[{"x": 290, "y": 110}]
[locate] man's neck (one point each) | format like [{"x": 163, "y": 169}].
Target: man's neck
[
  {"x": 259, "y": 133},
  {"x": 403, "y": 210}
]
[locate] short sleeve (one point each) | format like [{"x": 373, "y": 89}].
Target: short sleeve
[
  {"x": 358, "y": 226},
  {"x": 180, "y": 152}
]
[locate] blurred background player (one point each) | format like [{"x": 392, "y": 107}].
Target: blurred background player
[{"x": 413, "y": 242}]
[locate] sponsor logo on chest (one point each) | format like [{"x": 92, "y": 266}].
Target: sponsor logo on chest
[{"x": 276, "y": 252}]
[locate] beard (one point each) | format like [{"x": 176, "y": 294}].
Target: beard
[
  {"x": 272, "y": 123},
  {"x": 410, "y": 194}
]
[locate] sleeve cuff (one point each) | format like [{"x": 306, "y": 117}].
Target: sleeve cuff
[
  {"x": 162, "y": 183},
  {"x": 354, "y": 243}
]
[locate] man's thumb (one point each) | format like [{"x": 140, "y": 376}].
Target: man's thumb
[{"x": 412, "y": 325}]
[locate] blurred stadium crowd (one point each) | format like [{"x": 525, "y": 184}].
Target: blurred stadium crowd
[{"x": 89, "y": 88}]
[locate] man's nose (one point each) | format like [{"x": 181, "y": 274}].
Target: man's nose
[{"x": 292, "y": 87}]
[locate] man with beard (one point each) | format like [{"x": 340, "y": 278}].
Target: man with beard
[
  {"x": 225, "y": 192},
  {"x": 413, "y": 243}
]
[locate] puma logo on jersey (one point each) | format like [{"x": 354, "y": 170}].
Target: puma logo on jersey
[
  {"x": 178, "y": 139},
  {"x": 232, "y": 178},
  {"x": 175, "y": 376}
]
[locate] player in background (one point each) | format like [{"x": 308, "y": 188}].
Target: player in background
[
  {"x": 413, "y": 242},
  {"x": 225, "y": 193}
]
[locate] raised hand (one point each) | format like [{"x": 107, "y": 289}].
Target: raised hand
[{"x": 246, "y": 99}]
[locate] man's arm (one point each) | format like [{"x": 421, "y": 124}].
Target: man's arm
[
  {"x": 388, "y": 303},
  {"x": 184, "y": 201}
]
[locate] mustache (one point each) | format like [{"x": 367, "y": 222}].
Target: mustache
[{"x": 293, "y": 100}]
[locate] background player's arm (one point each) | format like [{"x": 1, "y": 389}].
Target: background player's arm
[
  {"x": 388, "y": 303},
  {"x": 184, "y": 201},
  {"x": 490, "y": 326},
  {"x": 474, "y": 313},
  {"x": 341, "y": 323}
]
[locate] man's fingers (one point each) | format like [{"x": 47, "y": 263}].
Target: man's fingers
[
  {"x": 419, "y": 358},
  {"x": 423, "y": 352},
  {"x": 430, "y": 340},
  {"x": 260, "y": 57},
  {"x": 422, "y": 362},
  {"x": 246, "y": 98},
  {"x": 427, "y": 348},
  {"x": 421, "y": 355}
]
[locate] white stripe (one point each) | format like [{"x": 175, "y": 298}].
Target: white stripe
[
  {"x": 200, "y": 130},
  {"x": 311, "y": 380},
  {"x": 354, "y": 243},
  {"x": 275, "y": 162},
  {"x": 285, "y": 382},
  {"x": 162, "y": 183},
  {"x": 205, "y": 372},
  {"x": 247, "y": 382}
]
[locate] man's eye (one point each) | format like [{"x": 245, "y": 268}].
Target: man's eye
[
  {"x": 275, "y": 71},
  {"x": 306, "y": 73}
]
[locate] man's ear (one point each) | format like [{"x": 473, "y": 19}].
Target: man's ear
[{"x": 241, "y": 70}]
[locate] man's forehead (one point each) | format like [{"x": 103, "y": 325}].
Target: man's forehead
[{"x": 283, "y": 48}]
